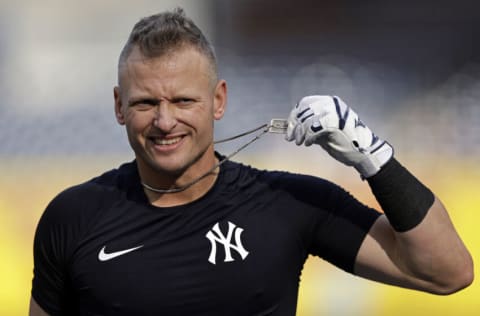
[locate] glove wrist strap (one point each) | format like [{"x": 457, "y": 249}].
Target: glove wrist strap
[{"x": 375, "y": 160}]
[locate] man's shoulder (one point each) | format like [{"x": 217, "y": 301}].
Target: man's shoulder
[
  {"x": 121, "y": 177},
  {"x": 278, "y": 179},
  {"x": 92, "y": 194},
  {"x": 118, "y": 179}
]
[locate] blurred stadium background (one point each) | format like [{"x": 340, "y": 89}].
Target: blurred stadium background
[{"x": 410, "y": 68}]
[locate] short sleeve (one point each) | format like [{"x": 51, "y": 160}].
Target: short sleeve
[
  {"x": 340, "y": 230},
  {"x": 336, "y": 223},
  {"x": 53, "y": 245}
]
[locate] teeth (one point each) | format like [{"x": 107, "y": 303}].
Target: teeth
[{"x": 162, "y": 141}]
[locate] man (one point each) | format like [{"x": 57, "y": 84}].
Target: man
[{"x": 183, "y": 231}]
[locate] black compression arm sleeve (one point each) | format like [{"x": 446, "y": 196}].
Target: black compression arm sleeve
[{"x": 403, "y": 198}]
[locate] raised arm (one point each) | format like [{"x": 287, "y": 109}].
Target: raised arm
[
  {"x": 429, "y": 257},
  {"x": 414, "y": 245}
]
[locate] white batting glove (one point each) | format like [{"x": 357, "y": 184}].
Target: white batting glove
[{"x": 330, "y": 123}]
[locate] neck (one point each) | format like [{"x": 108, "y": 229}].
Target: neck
[
  {"x": 164, "y": 189},
  {"x": 185, "y": 196}
]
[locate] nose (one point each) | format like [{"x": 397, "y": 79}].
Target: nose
[{"x": 164, "y": 116}]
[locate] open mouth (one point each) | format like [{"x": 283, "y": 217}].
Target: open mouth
[{"x": 161, "y": 141}]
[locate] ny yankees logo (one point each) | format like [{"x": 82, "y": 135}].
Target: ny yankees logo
[{"x": 215, "y": 235}]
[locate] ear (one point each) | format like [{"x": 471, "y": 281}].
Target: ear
[
  {"x": 220, "y": 99},
  {"x": 118, "y": 106}
]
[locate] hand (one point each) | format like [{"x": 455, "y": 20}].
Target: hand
[{"x": 330, "y": 123}]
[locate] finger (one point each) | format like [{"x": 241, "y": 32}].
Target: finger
[
  {"x": 299, "y": 134},
  {"x": 292, "y": 123}
]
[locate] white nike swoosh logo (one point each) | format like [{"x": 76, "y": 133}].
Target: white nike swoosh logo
[{"x": 103, "y": 256}]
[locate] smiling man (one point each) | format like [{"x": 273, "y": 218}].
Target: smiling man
[
  {"x": 168, "y": 105},
  {"x": 181, "y": 230}
]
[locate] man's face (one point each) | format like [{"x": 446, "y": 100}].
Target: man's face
[{"x": 168, "y": 105}]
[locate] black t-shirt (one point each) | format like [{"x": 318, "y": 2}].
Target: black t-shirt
[{"x": 102, "y": 249}]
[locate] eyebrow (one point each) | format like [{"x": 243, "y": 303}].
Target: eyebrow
[{"x": 151, "y": 101}]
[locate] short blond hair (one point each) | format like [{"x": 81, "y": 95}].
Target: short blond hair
[{"x": 165, "y": 32}]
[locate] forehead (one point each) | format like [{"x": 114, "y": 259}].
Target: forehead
[{"x": 183, "y": 60}]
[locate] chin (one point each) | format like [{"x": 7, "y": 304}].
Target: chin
[
  {"x": 168, "y": 168},
  {"x": 173, "y": 164}
]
